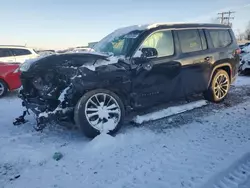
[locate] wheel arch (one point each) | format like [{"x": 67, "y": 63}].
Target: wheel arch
[
  {"x": 123, "y": 95},
  {"x": 3, "y": 80},
  {"x": 224, "y": 66}
]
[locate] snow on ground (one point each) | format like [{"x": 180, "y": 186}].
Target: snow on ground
[
  {"x": 196, "y": 154},
  {"x": 242, "y": 80}
]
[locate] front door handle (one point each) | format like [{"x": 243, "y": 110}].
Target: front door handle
[{"x": 208, "y": 58}]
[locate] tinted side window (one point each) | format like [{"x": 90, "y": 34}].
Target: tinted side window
[
  {"x": 203, "y": 40},
  {"x": 220, "y": 37},
  {"x": 18, "y": 52},
  {"x": 190, "y": 40},
  {"x": 162, "y": 41},
  {"x": 4, "y": 53}
]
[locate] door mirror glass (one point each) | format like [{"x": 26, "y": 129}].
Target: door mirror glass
[
  {"x": 144, "y": 55},
  {"x": 149, "y": 52}
]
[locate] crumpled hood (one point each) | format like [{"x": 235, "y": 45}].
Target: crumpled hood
[{"x": 93, "y": 59}]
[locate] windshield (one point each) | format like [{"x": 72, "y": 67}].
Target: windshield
[{"x": 117, "y": 43}]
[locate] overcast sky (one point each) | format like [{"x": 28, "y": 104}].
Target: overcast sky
[{"x": 67, "y": 23}]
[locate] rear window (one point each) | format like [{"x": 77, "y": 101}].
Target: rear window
[
  {"x": 18, "y": 52},
  {"x": 4, "y": 53},
  {"x": 190, "y": 40},
  {"x": 220, "y": 37}
]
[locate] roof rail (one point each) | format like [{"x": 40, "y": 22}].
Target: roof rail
[{"x": 13, "y": 45}]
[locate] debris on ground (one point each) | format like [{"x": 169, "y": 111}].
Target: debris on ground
[{"x": 57, "y": 156}]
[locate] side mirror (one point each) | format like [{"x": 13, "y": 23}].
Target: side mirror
[
  {"x": 144, "y": 55},
  {"x": 149, "y": 52}
]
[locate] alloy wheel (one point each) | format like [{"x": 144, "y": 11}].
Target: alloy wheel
[
  {"x": 102, "y": 112},
  {"x": 221, "y": 86},
  {"x": 2, "y": 88}
]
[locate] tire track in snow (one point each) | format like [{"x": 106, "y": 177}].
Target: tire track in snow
[{"x": 236, "y": 176}]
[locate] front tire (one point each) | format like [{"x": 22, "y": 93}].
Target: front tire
[
  {"x": 219, "y": 87},
  {"x": 3, "y": 88},
  {"x": 99, "y": 111}
]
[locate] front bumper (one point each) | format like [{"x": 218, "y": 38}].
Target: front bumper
[{"x": 47, "y": 110}]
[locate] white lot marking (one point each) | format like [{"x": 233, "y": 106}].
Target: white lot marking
[{"x": 169, "y": 111}]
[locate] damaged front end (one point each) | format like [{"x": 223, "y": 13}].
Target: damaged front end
[
  {"x": 48, "y": 100},
  {"x": 52, "y": 86},
  {"x": 47, "y": 109}
]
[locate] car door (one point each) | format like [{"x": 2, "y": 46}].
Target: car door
[
  {"x": 6, "y": 55},
  {"x": 158, "y": 78},
  {"x": 195, "y": 60}
]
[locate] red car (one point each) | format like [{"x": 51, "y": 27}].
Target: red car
[{"x": 9, "y": 77}]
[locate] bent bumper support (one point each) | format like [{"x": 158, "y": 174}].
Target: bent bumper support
[{"x": 20, "y": 120}]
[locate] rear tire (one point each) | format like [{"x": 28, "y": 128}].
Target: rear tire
[
  {"x": 99, "y": 111},
  {"x": 3, "y": 88},
  {"x": 219, "y": 87}
]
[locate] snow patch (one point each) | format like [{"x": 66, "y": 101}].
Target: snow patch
[
  {"x": 169, "y": 111},
  {"x": 92, "y": 52},
  {"x": 101, "y": 141},
  {"x": 90, "y": 67},
  {"x": 246, "y": 57},
  {"x": 101, "y": 62},
  {"x": 108, "y": 126},
  {"x": 246, "y": 49},
  {"x": 62, "y": 96},
  {"x": 138, "y": 53},
  {"x": 58, "y": 109}
]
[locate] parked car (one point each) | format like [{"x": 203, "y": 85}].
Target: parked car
[
  {"x": 16, "y": 54},
  {"x": 245, "y": 64},
  {"x": 149, "y": 65},
  {"x": 242, "y": 53},
  {"x": 9, "y": 77}
]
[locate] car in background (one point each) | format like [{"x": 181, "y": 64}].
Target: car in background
[
  {"x": 245, "y": 59},
  {"x": 242, "y": 53},
  {"x": 242, "y": 46},
  {"x": 16, "y": 54},
  {"x": 245, "y": 64},
  {"x": 9, "y": 77}
]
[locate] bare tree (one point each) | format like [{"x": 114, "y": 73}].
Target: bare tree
[{"x": 247, "y": 32}]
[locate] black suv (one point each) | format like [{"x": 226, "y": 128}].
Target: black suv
[{"x": 133, "y": 67}]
